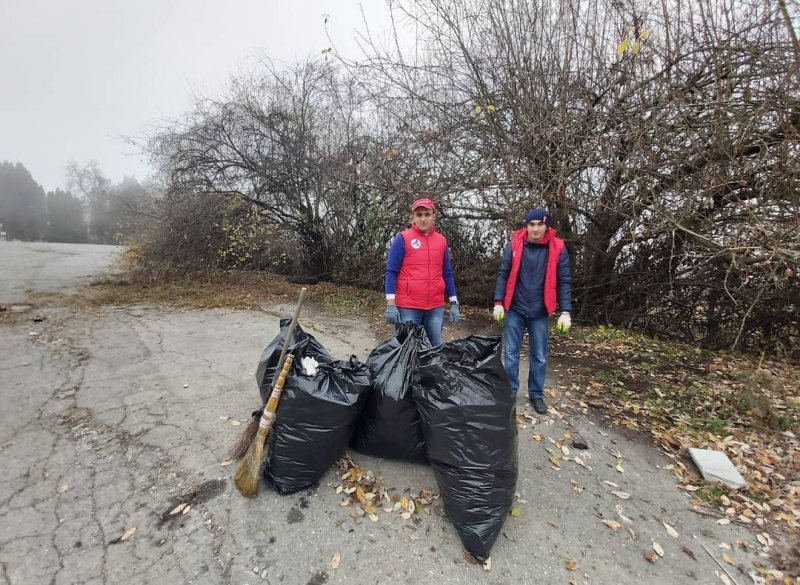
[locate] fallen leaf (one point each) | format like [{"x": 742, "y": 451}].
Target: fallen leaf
[
  {"x": 177, "y": 509},
  {"x": 337, "y": 558},
  {"x": 650, "y": 555},
  {"x": 724, "y": 521},
  {"x": 565, "y": 450},
  {"x": 620, "y": 468},
  {"x": 611, "y": 483},
  {"x": 235, "y": 423},
  {"x": 670, "y": 530},
  {"x": 571, "y": 564},
  {"x": 186, "y": 509},
  {"x": 689, "y": 552},
  {"x": 622, "y": 495},
  {"x": 487, "y": 564},
  {"x": 613, "y": 524},
  {"x": 127, "y": 534},
  {"x": 658, "y": 549},
  {"x": 373, "y": 517},
  {"x": 405, "y": 515},
  {"x": 724, "y": 578},
  {"x": 728, "y": 559},
  {"x": 515, "y": 511},
  {"x": 226, "y": 462}
]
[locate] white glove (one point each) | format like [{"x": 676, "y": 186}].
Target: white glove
[
  {"x": 499, "y": 313},
  {"x": 564, "y": 323}
]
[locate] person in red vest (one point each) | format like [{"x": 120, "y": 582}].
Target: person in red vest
[
  {"x": 419, "y": 276},
  {"x": 533, "y": 281}
]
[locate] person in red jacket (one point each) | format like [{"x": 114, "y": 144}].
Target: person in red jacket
[
  {"x": 534, "y": 279},
  {"x": 419, "y": 276}
]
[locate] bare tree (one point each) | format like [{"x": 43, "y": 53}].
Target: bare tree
[{"x": 662, "y": 134}]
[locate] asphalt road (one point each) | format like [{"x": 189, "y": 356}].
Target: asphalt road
[
  {"x": 111, "y": 418},
  {"x": 37, "y": 267}
]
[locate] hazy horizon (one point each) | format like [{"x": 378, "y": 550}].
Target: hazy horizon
[{"x": 80, "y": 78}]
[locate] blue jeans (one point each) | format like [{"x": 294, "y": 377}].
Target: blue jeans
[
  {"x": 432, "y": 320},
  {"x": 514, "y": 329}
]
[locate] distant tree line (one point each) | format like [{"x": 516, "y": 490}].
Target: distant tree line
[
  {"x": 662, "y": 134},
  {"x": 93, "y": 210}
]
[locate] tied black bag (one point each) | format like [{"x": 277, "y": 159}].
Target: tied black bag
[
  {"x": 468, "y": 415},
  {"x": 390, "y": 425},
  {"x": 268, "y": 362},
  {"x": 316, "y": 417}
]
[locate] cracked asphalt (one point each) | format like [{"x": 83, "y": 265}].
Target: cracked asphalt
[{"x": 111, "y": 418}]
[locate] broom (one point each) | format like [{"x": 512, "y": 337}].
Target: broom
[
  {"x": 246, "y": 476},
  {"x": 243, "y": 444}
]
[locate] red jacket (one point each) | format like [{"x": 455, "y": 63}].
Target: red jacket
[
  {"x": 555, "y": 247},
  {"x": 420, "y": 283}
]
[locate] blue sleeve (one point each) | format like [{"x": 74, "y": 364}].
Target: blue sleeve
[
  {"x": 502, "y": 276},
  {"x": 447, "y": 272},
  {"x": 564, "y": 282},
  {"x": 394, "y": 262}
]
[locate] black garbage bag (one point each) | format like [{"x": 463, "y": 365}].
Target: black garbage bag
[
  {"x": 268, "y": 361},
  {"x": 315, "y": 419},
  {"x": 468, "y": 416},
  {"x": 389, "y": 426}
]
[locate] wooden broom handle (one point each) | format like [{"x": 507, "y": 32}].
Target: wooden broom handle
[
  {"x": 268, "y": 416},
  {"x": 288, "y": 339}
]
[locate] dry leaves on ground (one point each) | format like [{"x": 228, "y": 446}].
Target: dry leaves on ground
[
  {"x": 685, "y": 397},
  {"x": 365, "y": 492}
]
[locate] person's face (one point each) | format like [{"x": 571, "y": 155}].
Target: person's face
[
  {"x": 423, "y": 219},
  {"x": 536, "y": 230}
]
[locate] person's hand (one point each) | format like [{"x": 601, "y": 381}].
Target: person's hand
[
  {"x": 455, "y": 315},
  {"x": 392, "y": 315},
  {"x": 564, "y": 323},
  {"x": 499, "y": 313}
]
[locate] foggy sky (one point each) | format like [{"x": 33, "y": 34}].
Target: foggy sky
[{"x": 77, "y": 76}]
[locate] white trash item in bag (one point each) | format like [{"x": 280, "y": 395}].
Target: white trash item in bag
[{"x": 310, "y": 366}]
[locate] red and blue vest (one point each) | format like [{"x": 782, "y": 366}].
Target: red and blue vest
[
  {"x": 555, "y": 246},
  {"x": 420, "y": 283}
]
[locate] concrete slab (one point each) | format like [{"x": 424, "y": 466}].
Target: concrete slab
[{"x": 715, "y": 466}]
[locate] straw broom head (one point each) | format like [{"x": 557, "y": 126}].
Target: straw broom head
[{"x": 246, "y": 476}]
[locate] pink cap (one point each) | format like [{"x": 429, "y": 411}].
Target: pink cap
[{"x": 423, "y": 202}]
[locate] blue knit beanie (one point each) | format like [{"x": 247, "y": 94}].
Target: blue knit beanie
[{"x": 538, "y": 214}]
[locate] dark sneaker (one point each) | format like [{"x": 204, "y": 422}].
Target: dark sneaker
[{"x": 539, "y": 405}]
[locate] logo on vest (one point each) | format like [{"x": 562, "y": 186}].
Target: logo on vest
[{"x": 416, "y": 244}]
